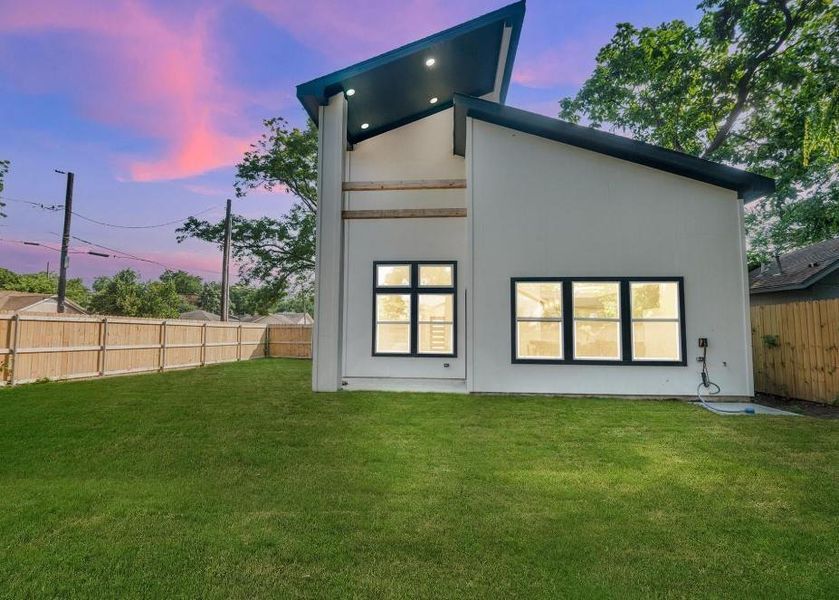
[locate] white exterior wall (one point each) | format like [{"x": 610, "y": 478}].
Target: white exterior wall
[
  {"x": 326, "y": 334},
  {"x": 541, "y": 208},
  {"x": 420, "y": 150}
]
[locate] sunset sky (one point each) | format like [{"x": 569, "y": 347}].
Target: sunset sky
[{"x": 152, "y": 102}]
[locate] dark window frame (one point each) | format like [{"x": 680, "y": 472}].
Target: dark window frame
[
  {"x": 625, "y": 322},
  {"x": 414, "y": 291}
]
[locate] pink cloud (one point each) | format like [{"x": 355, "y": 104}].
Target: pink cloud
[{"x": 153, "y": 75}]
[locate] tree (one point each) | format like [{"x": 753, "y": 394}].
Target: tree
[
  {"x": 302, "y": 300},
  {"x": 4, "y": 170},
  {"x": 186, "y": 284},
  {"x": 125, "y": 294},
  {"x": 43, "y": 283},
  {"x": 248, "y": 300},
  {"x": 278, "y": 253},
  {"x": 9, "y": 280},
  {"x": 754, "y": 84},
  {"x": 210, "y": 297}
]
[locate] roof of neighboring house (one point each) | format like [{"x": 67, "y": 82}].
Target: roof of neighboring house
[
  {"x": 200, "y": 315},
  {"x": 285, "y": 318},
  {"x": 799, "y": 269},
  {"x": 11, "y": 301},
  {"x": 749, "y": 186},
  {"x": 395, "y": 88}
]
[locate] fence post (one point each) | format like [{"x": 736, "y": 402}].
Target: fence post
[
  {"x": 103, "y": 344},
  {"x": 239, "y": 343},
  {"x": 267, "y": 340},
  {"x": 13, "y": 349},
  {"x": 163, "y": 345},
  {"x": 204, "y": 344}
]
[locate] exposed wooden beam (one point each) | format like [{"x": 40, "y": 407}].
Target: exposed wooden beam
[
  {"x": 412, "y": 184},
  {"x": 405, "y": 213}
]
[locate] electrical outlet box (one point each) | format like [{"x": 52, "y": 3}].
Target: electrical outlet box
[{"x": 703, "y": 342}]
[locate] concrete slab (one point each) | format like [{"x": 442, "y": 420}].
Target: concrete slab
[{"x": 738, "y": 408}]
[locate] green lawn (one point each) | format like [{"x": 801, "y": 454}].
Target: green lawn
[{"x": 237, "y": 481}]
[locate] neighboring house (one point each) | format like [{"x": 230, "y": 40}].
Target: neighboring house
[
  {"x": 28, "y": 302},
  {"x": 285, "y": 318},
  {"x": 465, "y": 245},
  {"x": 199, "y": 315},
  {"x": 810, "y": 273}
]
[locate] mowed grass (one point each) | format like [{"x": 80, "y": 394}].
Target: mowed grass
[{"x": 237, "y": 481}]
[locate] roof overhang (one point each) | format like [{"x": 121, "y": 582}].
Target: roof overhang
[
  {"x": 795, "y": 287},
  {"x": 749, "y": 186},
  {"x": 395, "y": 88}
]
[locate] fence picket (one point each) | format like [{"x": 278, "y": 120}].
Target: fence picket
[
  {"x": 74, "y": 347},
  {"x": 797, "y": 349}
]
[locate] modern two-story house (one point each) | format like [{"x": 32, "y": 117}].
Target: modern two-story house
[{"x": 465, "y": 245}]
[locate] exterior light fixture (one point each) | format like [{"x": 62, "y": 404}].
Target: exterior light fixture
[
  {"x": 429, "y": 62},
  {"x": 351, "y": 92},
  {"x": 365, "y": 125},
  {"x": 433, "y": 100}
]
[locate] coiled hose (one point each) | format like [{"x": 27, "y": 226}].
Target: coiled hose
[{"x": 707, "y": 384}]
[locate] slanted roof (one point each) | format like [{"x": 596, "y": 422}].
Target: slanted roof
[
  {"x": 200, "y": 315},
  {"x": 395, "y": 88},
  {"x": 285, "y": 318},
  {"x": 749, "y": 186},
  {"x": 799, "y": 269},
  {"x": 12, "y": 301}
]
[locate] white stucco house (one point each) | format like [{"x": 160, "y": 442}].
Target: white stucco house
[{"x": 465, "y": 245}]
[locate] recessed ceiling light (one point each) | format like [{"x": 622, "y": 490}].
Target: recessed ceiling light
[
  {"x": 429, "y": 62},
  {"x": 365, "y": 125},
  {"x": 433, "y": 100},
  {"x": 351, "y": 92}
]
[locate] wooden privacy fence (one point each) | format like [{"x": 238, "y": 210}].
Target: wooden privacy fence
[
  {"x": 796, "y": 350},
  {"x": 34, "y": 347}
]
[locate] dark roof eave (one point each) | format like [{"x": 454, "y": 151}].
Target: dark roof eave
[
  {"x": 749, "y": 186},
  {"x": 316, "y": 92},
  {"x": 796, "y": 287}
]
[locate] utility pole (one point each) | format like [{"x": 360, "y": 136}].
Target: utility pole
[
  {"x": 225, "y": 265},
  {"x": 65, "y": 241}
]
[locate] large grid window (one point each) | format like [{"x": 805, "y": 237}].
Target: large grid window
[
  {"x": 415, "y": 308},
  {"x": 538, "y": 320},
  {"x": 598, "y": 320},
  {"x": 656, "y": 319}
]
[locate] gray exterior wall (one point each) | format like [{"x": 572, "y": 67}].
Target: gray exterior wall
[
  {"x": 420, "y": 150},
  {"x": 541, "y": 208},
  {"x": 535, "y": 208}
]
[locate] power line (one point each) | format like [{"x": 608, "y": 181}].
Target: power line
[
  {"x": 118, "y": 254},
  {"x": 50, "y": 207},
  {"x": 57, "y": 207},
  {"x": 104, "y": 224},
  {"x": 134, "y": 257},
  {"x": 43, "y": 245}
]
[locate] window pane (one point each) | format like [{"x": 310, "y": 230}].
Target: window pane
[
  {"x": 538, "y": 299},
  {"x": 393, "y": 307},
  {"x": 539, "y": 339},
  {"x": 596, "y": 299},
  {"x": 436, "y": 307},
  {"x": 597, "y": 340},
  {"x": 656, "y": 340},
  {"x": 391, "y": 337},
  {"x": 655, "y": 300},
  {"x": 393, "y": 275},
  {"x": 436, "y": 275},
  {"x": 436, "y": 338}
]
